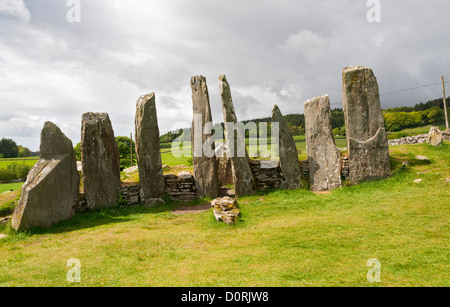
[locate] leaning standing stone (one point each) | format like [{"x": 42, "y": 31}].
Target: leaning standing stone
[
  {"x": 367, "y": 143},
  {"x": 100, "y": 158},
  {"x": 204, "y": 161},
  {"x": 148, "y": 149},
  {"x": 244, "y": 182},
  {"x": 289, "y": 163},
  {"x": 323, "y": 154},
  {"x": 52, "y": 185}
]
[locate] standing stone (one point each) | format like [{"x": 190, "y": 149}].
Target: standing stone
[
  {"x": 204, "y": 161},
  {"x": 244, "y": 182},
  {"x": 367, "y": 143},
  {"x": 289, "y": 163},
  {"x": 147, "y": 149},
  {"x": 100, "y": 158},
  {"x": 52, "y": 185},
  {"x": 323, "y": 154},
  {"x": 435, "y": 137}
]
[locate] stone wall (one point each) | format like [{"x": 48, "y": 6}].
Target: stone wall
[
  {"x": 417, "y": 139},
  {"x": 267, "y": 177},
  {"x": 181, "y": 187}
]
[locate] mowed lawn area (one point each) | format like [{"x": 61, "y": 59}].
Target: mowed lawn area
[{"x": 283, "y": 238}]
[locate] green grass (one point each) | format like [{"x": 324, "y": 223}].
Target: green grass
[
  {"x": 30, "y": 161},
  {"x": 284, "y": 238},
  {"x": 10, "y": 186}
]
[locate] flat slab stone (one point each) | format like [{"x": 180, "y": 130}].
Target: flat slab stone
[{"x": 226, "y": 210}]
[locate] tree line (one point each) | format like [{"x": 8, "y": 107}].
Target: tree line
[{"x": 10, "y": 149}]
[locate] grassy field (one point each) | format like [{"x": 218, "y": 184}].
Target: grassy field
[
  {"x": 10, "y": 186},
  {"x": 412, "y": 131},
  {"x": 31, "y": 161},
  {"x": 284, "y": 238}
]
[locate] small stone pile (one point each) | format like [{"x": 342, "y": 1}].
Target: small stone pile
[
  {"x": 226, "y": 210},
  {"x": 267, "y": 176},
  {"x": 131, "y": 193},
  {"x": 181, "y": 187}
]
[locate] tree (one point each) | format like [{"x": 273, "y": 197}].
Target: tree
[
  {"x": 77, "y": 151},
  {"x": 123, "y": 143},
  {"x": 435, "y": 115},
  {"x": 24, "y": 151},
  {"x": 336, "y": 131},
  {"x": 9, "y": 148}
]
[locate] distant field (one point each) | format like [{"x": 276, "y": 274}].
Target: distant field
[
  {"x": 31, "y": 161},
  {"x": 169, "y": 159}
]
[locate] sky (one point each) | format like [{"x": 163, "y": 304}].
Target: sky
[{"x": 60, "y": 59}]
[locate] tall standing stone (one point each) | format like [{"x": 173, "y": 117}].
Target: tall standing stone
[
  {"x": 147, "y": 148},
  {"x": 324, "y": 157},
  {"x": 367, "y": 143},
  {"x": 52, "y": 185},
  {"x": 289, "y": 163},
  {"x": 100, "y": 159},
  {"x": 204, "y": 161},
  {"x": 244, "y": 182}
]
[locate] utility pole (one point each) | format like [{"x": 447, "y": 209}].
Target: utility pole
[
  {"x": 445, "y": 104},
  {"x": 131, "y": 149}
]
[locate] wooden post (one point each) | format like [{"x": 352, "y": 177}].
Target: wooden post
[
  {"x": 445, "y": 103},
  {"x": 131, "y": 149}
]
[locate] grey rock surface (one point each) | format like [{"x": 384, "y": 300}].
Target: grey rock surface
[
  {"x": 435, "y": 137},
  {"x": 52, "y": 185},
  {"x": 205, "y": 166},
  {"x": 367, "y": 142},
  {"x": 148, "y": 150},
  {"x": 289, "y": 163},
  {"x": 324, "y": 157},
  {"x": 100, "y": 160},
  {"x": 244, "y": 181}
]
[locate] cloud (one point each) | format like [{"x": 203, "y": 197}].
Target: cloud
[
  {"x": 308, "y": 44},
  {"x": 15, "y": 8},
  {"x": 273, "y": 52}
]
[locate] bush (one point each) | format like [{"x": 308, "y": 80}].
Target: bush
[
  {"x": 8, "y": 208},
  {"x": 14, "y": 171}
]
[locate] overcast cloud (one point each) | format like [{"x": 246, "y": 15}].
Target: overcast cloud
[{"x": 273, "y": 52}]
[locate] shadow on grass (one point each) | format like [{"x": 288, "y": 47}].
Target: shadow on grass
[{"x": 120, "y": 214}]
